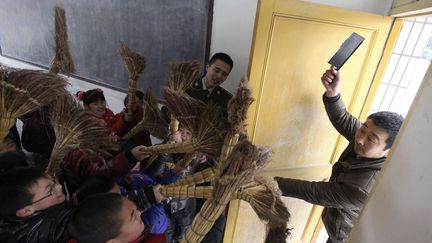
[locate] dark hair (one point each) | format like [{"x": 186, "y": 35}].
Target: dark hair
[
  {"x": 390, "y": 122},
  {"x": 96, "y": 219},
  {"x": 223, "y": 57},
  {"x": 90, "y": 96},
  {"x": 12, "y": 159},
  {"x": 94, "y": 184},
  {"x": 138, "y": 94},
  {"x": 15, "y": 185}
]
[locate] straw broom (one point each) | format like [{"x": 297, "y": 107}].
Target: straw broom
[
  {"x": 208, "y": 139},
  {"x": 75, "y": 128},
  {"x": 152, "y": 121},
  {"x": 135, "y": 64},
  {"x": 25, "y": 91},
  {"x": 237, "y": 113},
  {"x": 181, "y": 76},
  {"x": 62, "y": 59},
  {"x": 242, "y": 164},
  {"x": 264, "y": 197},
  {"x": 185, "y": 108},
  {"x": 196, "y": 178}
]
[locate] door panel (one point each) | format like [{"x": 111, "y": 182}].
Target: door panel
[{"x": 293, "y": 41}]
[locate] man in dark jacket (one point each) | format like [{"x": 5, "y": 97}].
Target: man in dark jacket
[
  {"x": 208, "y": 87},
  {"x": 353, "y": 176}
]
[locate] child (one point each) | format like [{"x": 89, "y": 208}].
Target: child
[
  {"x": 79, "y": 164},
  {"x": 145, "y": 198},
  {"x": 94, "y": 102},
  {"x": 181, "y": 211},
  {"x": 33, "y": 207},
  {"x": 123, "y": 122},
  {"x": 109, "y": 218}
]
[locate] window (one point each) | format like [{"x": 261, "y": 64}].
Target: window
[{"x": 408, "y": 64}]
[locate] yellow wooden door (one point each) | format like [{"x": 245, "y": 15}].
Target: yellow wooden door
[{"x": 293, "y": 41}]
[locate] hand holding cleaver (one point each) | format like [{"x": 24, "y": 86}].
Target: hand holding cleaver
[{"x": 348, "y": 47}]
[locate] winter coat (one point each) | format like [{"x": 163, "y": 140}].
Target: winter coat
[
  {"x": 344, "y": 195},
  {"x": 46, "y": 226}
]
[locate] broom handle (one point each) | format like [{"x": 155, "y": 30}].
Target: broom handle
[
  {"x": 174, "y": 124},
  {"x": 135, "y": 130},
  {"x": 170, "y": 148},
  {"x": 187, "y": 191},
  {"x": 229, "y": 142},
  {"x": 196, "y": 178},
  {"x": 208, "y": 214},
  {"x": 186, "y": 160},
  {"x": 131, "y": 94},
  {"x": 55, "y": 67}
]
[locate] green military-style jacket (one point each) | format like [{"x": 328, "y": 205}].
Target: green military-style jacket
[{"x": 219, "y": 96}]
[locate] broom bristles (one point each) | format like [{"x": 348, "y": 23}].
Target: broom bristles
[
  {"x": 205, "y": 122},
  {"x": 212, "y": 129},
  {"x": 277, "y": 232},
  {"x": 152, "y": 121},
  {"x": 134, "y": 62},
  {"x": 75, "y": 128},
  {"x": 238, "y": 107},
  {"x": 183, "y": 74},
  {"x": 185, "y": 108},
  {"x": 25, "y": 91},
  {"x": 264, "y": 197},
  {"x": 62, "y": 60}
]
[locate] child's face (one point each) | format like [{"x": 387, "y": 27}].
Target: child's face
[
  {"x": 186, "y": 135},
  {"x": 132, "y": 226},
  {"x": 97, "y": 108},
  {"x": 138, "y": 104},
  {"x": 47, "y": 192}
]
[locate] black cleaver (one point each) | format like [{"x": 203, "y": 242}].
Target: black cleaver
[{"x": 348, "y": 47}]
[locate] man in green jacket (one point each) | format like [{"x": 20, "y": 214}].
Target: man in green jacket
[{"x": 354, "y": 174}]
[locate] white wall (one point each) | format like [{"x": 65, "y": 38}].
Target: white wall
[
  {"x": 233, "y": 25},
  {"x": 399, "y": 209}
]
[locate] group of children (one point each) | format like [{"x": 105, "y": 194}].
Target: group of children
[{"x": 97, "y": 198}]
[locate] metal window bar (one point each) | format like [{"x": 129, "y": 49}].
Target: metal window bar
[{"x": 410, "y": 57}]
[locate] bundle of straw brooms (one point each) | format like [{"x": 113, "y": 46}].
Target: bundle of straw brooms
[{"x": 236, "y": 173}]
